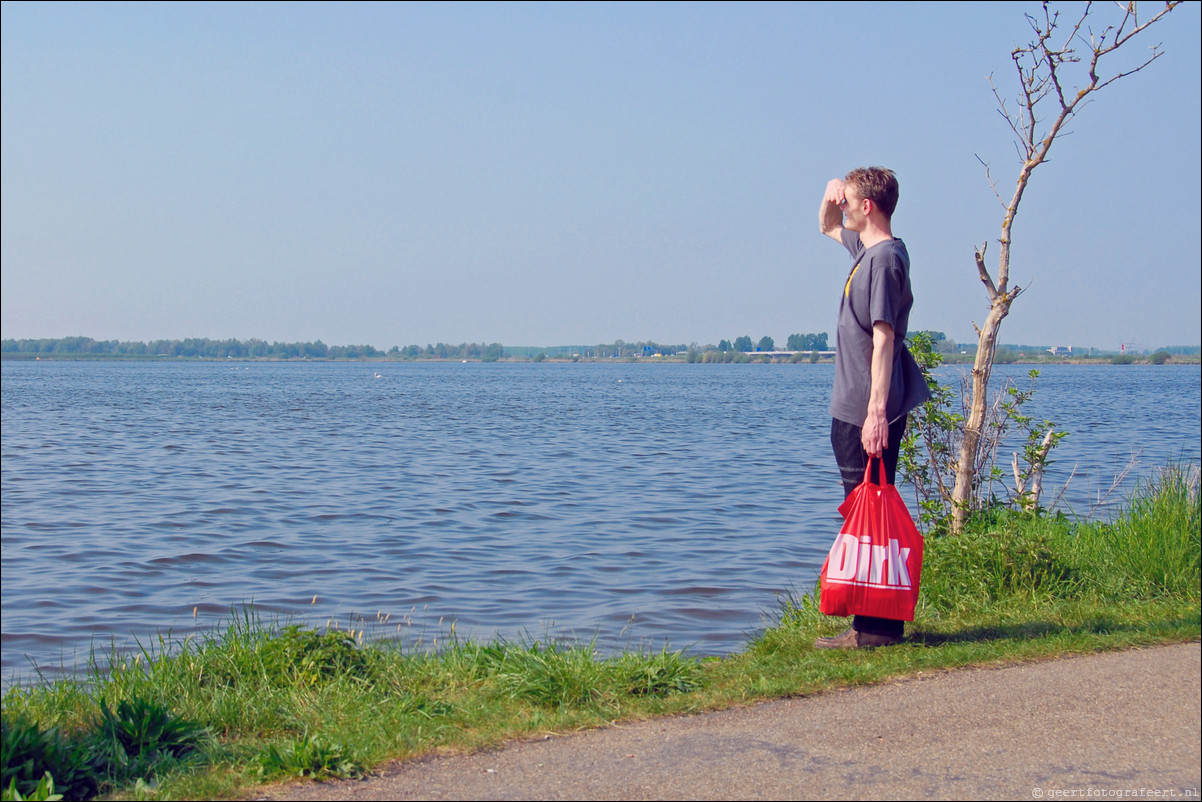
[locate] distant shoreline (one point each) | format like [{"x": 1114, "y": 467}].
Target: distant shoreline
[
  {"x": 751, "y": 358},
  {"x": 811, "y": 348}
]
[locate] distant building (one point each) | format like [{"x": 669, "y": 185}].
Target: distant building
[{"x": 1060, "y": 350}]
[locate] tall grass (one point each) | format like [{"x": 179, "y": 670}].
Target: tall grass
[
  {"x": 1153, "y": 549},
  {"x": 204, "y": 717}
]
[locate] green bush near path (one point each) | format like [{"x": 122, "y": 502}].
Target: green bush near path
[{"x": 211, "y": 717}]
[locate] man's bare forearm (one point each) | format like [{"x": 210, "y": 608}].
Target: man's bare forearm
[
  {"x": 875, "y": 437},
  {"x": 830, "y": 214}
]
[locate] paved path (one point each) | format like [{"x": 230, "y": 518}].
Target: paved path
[{"x": 1109, "y": 726}]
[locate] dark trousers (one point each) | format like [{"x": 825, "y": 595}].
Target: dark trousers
[{"x": 853, "y": 461}]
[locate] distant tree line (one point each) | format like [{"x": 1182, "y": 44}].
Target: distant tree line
[
  {"x": 740, "y": 350},
  {"x": 488, "y": 353},
  {"x": 254, "y": 348},
  {"x": 618, "y": 349},
  {"x": 796, "y": 342}
]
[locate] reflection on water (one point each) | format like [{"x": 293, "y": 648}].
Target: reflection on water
[{"x": 626, "y": 503}]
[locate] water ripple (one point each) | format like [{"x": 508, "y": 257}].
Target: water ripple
[{"x": 619, "y": 504}]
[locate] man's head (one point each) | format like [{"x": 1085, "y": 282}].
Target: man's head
[{"x": 875, "y": 184}]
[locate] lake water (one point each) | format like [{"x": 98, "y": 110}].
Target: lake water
[{"x": 630, "y": 504}]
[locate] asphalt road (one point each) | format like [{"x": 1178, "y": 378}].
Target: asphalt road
[{"x": 1120, "y": 725}]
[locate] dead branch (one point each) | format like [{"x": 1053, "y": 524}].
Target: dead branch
[
  {"x": 1030, "y": 499},
  {"x": 1119, "y": 478},
  {"x": 1064, "y": 489},
  {"x": 989, "y": 178},
  {"x": 984, "y": 273}
]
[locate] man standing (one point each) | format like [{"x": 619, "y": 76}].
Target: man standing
[{"x": 877, "y": 381}]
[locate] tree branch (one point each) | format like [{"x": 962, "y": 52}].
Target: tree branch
[
  {"x": 992, "y": 183},
  {"x": 984, "y": 272}
]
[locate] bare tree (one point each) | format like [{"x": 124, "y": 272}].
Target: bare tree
[{"x": 1056, "y": 57}]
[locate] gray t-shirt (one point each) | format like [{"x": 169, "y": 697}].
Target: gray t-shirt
[{"x": 877, "y": 290}]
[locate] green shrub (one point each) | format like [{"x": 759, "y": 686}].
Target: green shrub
[
  {"x": 144, "y": 730},
  {"x": 31, "y": 753},
  {"x": 998, "y": 556},
  {"x": 311, "y": 756},
  {"x": 658, "y": 674},
  {"x": 310, "y": 657},
  {"x": 44, "y": 790}
]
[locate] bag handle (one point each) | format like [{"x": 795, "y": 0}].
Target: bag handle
[
  {"x": 882, "y": 524},
  {"x": 882, "y": 477}
]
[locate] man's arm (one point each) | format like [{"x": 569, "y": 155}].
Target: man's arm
[
  {"x": 830, "y": 214},
  {"x": 875, "y": 435}
]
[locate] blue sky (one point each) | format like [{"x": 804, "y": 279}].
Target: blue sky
[{"x": 578, "y": 173}]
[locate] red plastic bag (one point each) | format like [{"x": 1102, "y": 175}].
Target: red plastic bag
[{"x": 876, "y": 562}]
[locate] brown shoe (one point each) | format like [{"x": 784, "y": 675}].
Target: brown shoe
[{"x": 851, "y": 639}]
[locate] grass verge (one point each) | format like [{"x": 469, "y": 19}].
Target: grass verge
[{"x": 253, "y": 703}]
